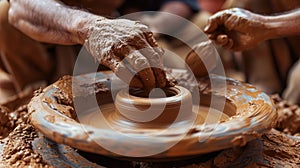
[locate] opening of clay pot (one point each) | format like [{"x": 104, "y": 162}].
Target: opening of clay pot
[
  {"x": 160, "y": 106},
  {"x": 154, "y": 93}
]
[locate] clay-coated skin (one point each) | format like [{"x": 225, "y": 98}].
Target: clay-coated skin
[
  {"x": 236, "y": 28},
  {"x": 239, "y": 29},
  {"x": 46, "y": 22},
  {"x": 126, "y": 38}
]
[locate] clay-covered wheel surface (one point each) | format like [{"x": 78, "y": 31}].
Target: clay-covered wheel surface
[{"x": 247, "y": 114}]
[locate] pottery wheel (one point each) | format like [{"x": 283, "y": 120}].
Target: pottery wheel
[{"x": 248, "y": 112}]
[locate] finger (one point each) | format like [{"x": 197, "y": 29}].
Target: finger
[
  {"x": 217, "y": 20},
  {"x": 153, "y": 43},
  {"x": 119, "y": 68},
  {"x": 141, "y": 67},
  {"x": 126, "y": 75},
  {"x": 124, "y": 50},
  {"x": 216, "y": 33},
  {"x": 222, "y": 39},
  {"x": 145, "y": 44},
  {"x": 121, "y": 50},
  {"x": 155, "y": 61},
  {"x": 231, "y": 22},
  {"x": 212, "y": 36},
  {"x": 154, "y": 55},
  {"x": 213, "y": 23},
  {"x": 150, "y": 38},
  {"x": 229, "y": 45},
  {"x": 161, "y": 79},
  {"x": 171, "y": 81},
  {"x": 140, "y": 43},
  {"x": 211, "y": 27}
]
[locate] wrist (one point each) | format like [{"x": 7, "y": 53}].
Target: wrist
[
  {"x": 275, "y": 27},
  {"x": 83, "y": 26}
]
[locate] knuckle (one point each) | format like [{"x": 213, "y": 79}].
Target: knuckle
[
  {"x": 140, "y": 62},
  {"x": 120, "y": 48},
  {"x": 160, "y": 51},
  {"x": 141, "y": 26}
]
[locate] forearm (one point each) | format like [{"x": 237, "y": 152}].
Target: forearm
[
  {"x": 284, "y": 24},
  {"x": 50, "y": 21}
]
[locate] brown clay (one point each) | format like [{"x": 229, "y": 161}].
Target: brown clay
[
  {"x": 202, "y": 59},
  {"x": 249, "y": 113},
  {"x": 288, "y": 116},
  {"x": 266, "y": 151},
  {"x": 273, "y": 149},
  {"x": 5, "y": 124},
  {"x": 16, "y": 149}
]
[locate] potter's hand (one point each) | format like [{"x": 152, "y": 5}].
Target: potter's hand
[
  {"x": 129, "y": 49},
  {"x": 237, "y": 29}
]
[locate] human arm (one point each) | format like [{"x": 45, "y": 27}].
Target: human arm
[
  {"x": 109, "y": 41},
  {"x": 239, "y": 29},
  {"x": 50, "y": 21},
  {"x": 285, "y": 24}
]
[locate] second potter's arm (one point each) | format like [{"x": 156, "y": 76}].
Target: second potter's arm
[
  {"x": 246, "y": 29},
  {"x": 285, "y": 24}
]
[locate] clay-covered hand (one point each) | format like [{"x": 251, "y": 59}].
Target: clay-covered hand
[
  {"x": 237, "y": 29},
  {"x": 129, "y": 49}
]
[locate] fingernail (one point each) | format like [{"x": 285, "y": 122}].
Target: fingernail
[
  {"x": 211, "y": 36},
  {"x": 150, "y": 34},
  {"x": 206, "y": 28}
]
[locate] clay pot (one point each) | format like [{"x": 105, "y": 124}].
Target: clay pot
[{"x": 161, "y": 106}]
